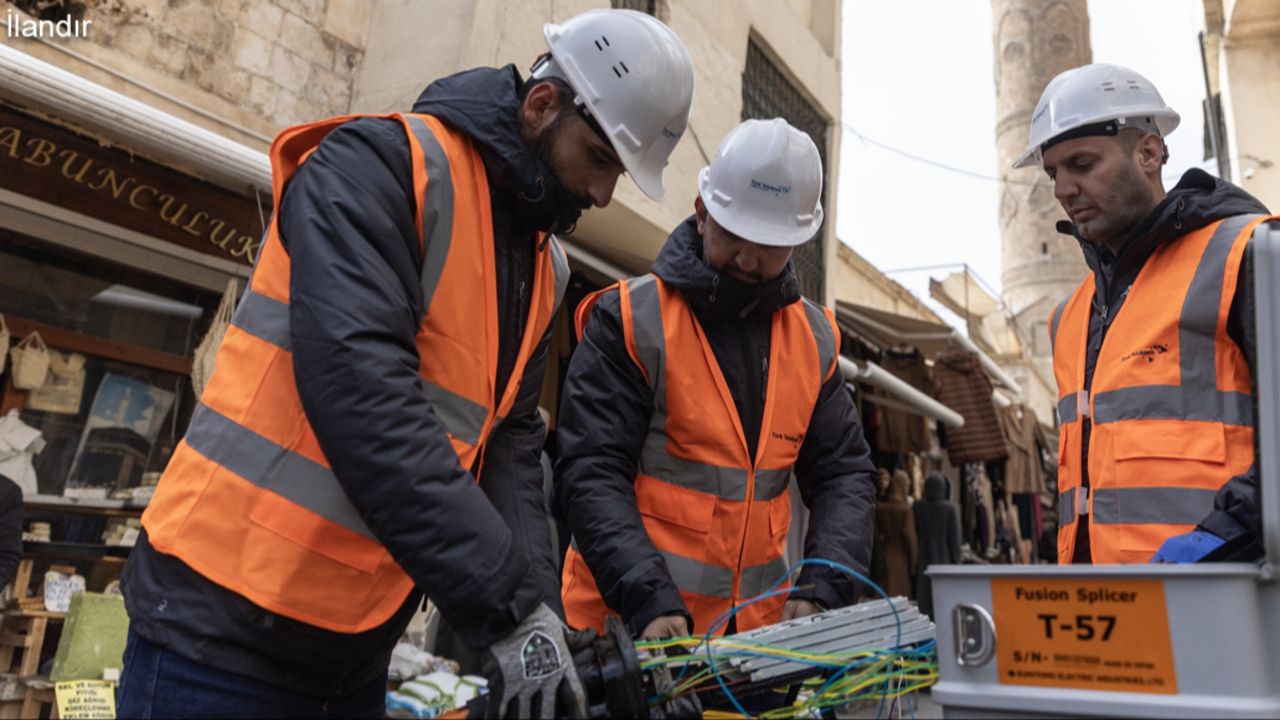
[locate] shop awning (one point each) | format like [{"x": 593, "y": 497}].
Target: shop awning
[{"x": 887, "y": 330}]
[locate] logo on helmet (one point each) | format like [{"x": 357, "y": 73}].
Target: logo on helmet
[{"x": 775, "y": 189}]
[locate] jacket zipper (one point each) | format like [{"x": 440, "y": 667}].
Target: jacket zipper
[{"x": 753, "y": 394}]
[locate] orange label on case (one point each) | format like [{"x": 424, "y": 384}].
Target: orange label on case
[{"x": 1085, "y": 634}]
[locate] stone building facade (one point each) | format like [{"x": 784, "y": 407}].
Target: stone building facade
[
  {"x": 1034, "y": 41},
  {"x": 1242, "y": 59},
  {"x": 247, "y": 68}
]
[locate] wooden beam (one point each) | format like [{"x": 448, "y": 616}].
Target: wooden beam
[{"x": 63, "y": 339}]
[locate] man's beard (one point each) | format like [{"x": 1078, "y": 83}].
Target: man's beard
[
  {"x": 571, "y": 204},
  {"x": 1130, "y": 202}
]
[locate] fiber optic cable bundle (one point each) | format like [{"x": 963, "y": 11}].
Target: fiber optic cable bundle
[{"x": 876, "y": 650}]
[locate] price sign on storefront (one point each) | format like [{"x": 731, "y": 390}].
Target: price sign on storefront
[{"x": 1090, "y": 634}]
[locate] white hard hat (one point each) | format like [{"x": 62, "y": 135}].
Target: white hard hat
[
  {"x": 1094, "y": 94},
  {"x": 636, "y": 80},
  {"x": 765, "y": 184}
]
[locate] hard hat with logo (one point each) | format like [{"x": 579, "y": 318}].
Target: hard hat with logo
[
  {"x": 1097, "y": 99},
  {"x": 765, "y": 184},
  {"x": 635, "y": 79}
]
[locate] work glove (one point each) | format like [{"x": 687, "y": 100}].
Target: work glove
[
  {"x": 1187, "y": 548},
  {"x": 531, "y": 669}
]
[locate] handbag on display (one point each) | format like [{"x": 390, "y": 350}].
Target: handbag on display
[
  {"x": 30, "y": 360},
  {"x": 207, "y": 350},
  {"x": 4, "y": 343},
  {"x": 63, "y": 389}
]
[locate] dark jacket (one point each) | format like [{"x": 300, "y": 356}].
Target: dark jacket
[
  {"x": 481, "y": 553},
  {"x": 1198, "y": 199},
  {"x": 604, "y": 417},
  {"x": 938, "y": 534},
  {"x": 10, "y": 529}
]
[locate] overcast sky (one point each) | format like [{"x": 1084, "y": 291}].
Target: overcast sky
[{"x": 918, "y": 76}]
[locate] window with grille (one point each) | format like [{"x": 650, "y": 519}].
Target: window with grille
[
  {"x": 766, "y": 93},
  {"x": 645, "y": 6}
]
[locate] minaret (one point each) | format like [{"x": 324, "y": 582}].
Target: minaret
[{"x": 1034, "y": 41}]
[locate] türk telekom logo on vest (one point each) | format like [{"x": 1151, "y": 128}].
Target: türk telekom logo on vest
[{"x": 17, "y": 25}]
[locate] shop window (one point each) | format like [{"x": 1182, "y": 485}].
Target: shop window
[
  {"x": 118, "y": 397},
  {"x": 767, "y": 93}
]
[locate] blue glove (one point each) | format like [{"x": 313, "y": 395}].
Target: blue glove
[{"x": 1187, "y": 548}]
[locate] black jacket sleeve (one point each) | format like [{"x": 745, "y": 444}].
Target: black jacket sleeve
[
  {"x": 512, "y": 477},
  {"x": 604, "y": 414},
  {"x": 347, "y": 221},
  {"x": 837, "y": 482},
  {"x": 1236, "y": 516}
]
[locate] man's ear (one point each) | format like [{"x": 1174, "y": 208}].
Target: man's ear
[
  {"x": 1152, "y": 154},
  {"x": 700, "y": 210},
  {"x": 540, "y": 107}
]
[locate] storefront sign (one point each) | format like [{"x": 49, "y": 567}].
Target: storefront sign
[
  {"x": 72, "y": 171},
  {"x": 1096, "y": 634}
]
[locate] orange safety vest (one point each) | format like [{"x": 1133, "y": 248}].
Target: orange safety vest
[
  {"x": 249, "y": 500},
  {"x": 718, "y": 517},
  {"x": 1171, "y": 403}
]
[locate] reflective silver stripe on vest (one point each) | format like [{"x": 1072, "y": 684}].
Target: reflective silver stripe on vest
[
  {"x": 437, "y": 210},
  {"x": 824, "y": 336},
  {"x": 1067, "y": 507},
  {"x": 271, "y": 467},
  {"x": 759, "y": 578},
  {"x": 1197, "y": 396},
  {"x": 1055, "y": 319},
  {"x": 1067, "y": 409},
  {"x": 1073, "y": 407},
  {"x": 463, "y": 418},
  {"x": 264, "y": 318},
  {"x": 560, "y": 264},
  {"x": 1154, "y": 402},
  {"x": 1147, "y": 505},
  {"x": 698, "y": 577},
  {"x": 723, "y": 482},
  {"x": 772, "y": 483},
  {"x": 651, "y": 343}
]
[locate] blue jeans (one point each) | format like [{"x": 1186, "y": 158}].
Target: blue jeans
[{"x": 159, "y": 684}]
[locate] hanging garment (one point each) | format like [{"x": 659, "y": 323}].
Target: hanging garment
[
  {"x": 902, "y": 431},
  {"x": 938, "y": 533},
  {"x": 896, "y": 525},
  {"x": 962, "y": 385},
  {"x": 1024, "y": 472},
  {"x": 19, "y": 444}
]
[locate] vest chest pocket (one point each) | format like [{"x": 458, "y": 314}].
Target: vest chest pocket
[
  {"x": 676, "y": 519},
  {"x": 1169, "y": 440}
]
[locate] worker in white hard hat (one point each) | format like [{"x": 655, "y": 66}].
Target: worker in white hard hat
[
  {"x": 695, "y": 394},
  {"x": 371, "y": 433},
  {"x": 1154, "y": 352}
]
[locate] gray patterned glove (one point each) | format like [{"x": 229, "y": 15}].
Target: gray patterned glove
[{"x": 532, "y": 668}]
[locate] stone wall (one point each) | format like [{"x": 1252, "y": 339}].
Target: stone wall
[
  {"x": 859, "y": 282},
  {"x": 244, "y": 69}
]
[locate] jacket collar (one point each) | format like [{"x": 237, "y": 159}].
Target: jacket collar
[
  {"x": 484, "y": 104},
  {"x": 714, "y": 296}
]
